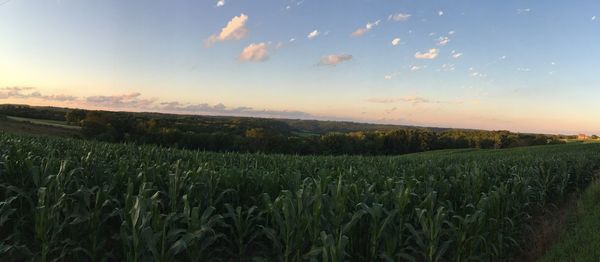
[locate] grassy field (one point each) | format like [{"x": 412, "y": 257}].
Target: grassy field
[
  {"x": 45, "y": 122},
  {"x": 9, "y": 125},
  {"x": 76, "y": 200},
  {"x": 581, "y": 239}
]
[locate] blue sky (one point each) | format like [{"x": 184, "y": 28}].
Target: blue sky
[{"x": 520, "y": 65}]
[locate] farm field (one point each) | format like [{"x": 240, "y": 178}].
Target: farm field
[
  {"x": 53, "y": 123},
  {"x": 76, "y": 200},
  {"x": 25, "y": 127}
]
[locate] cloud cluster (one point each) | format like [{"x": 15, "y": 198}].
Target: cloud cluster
[
  {"x": 29, "y": 92},
  {"x": 333, "y": 60},
  {"x": 221, "y": 109},
  {"x": 234, "y": 30},
  {"x": 430, "y": 54},
  {"x": 137, "y": 102},
  {"x": 363, "y": 30},
  {"x": 255, "y": 53},
  {"x": 132, "y": 100}
]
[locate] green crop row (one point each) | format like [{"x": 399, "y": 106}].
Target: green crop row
[{"x": 73, "y": 200}]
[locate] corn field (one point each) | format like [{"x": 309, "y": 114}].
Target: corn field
[{"x": 74, "y": 200}]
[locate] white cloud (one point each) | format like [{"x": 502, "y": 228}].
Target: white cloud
[
  {"x": 443, "y": 40},
  {"x": 431, "y": 54},
  {"x": 363, "y": 30},
  {"x": 220, "y": 3},
  {"x": 399, "y": 17},
  {"x": 452, "y": 32},
  {"x": 456, "y": 55},
  {"x": 255, "y": 53},
  {"x": 416, "y": 68},
  {"x": 594, "y": 18},
  {"x": 234, "y": 30},
  {"x": 292, "y": 40},
  {"x": 387, "y": 77},
  {"x": 333, "y": 60},
  {"x": 523, "y": 11},
  {"x": 313, "y": 34},
  {"x": 475, "y": 73},
  {"x": 440, "y": 13},
  {"x": 396, "y": 41}
]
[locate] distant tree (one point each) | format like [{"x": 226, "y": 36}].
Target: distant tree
[{"x": 75, "y": 116}]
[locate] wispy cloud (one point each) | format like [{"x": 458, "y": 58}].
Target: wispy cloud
[
  {"x": 523, "y": 11},
  {"x": 294, "y": 2},
  {"x": 234, "y": 30},
  {"x": 396, "y": 41},
  {"x": 221, "y": 109},
  {"x": 220, "y": 3},
  {"x": 430, "y": 54},
  {"x": 333, "y": 60},
  {"x": 415, "y": 100},
  {"x": 523, "y": 69},
  {"x": 135, "y": 101},
  {"x": 443, "y": 40},
  {"x": 132, "y": 100},
  {"x": 399, "y": 17},
  {"x": 416, "y": 68},
  {"x": 313, "y": 34},
  {"x": 255, "y": 53},
  {"x": 474, "y": 73},
  {"x": 456, "y": 55},
  {"x": 363, "y": 30},
  {"x": 30, "y": 92},
  {"x": 448, "y": 67}
]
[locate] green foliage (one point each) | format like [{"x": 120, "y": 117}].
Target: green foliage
[
  {"x": 299, "y": 137},
  {"x": 580, "y": 241},
  {"x": 76, "y": 200},
  {"x": 75, "y": 116}
]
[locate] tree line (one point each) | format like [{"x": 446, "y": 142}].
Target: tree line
[
  {"x": 234, "y": 134},
  {"x": 119, "y": 127}
]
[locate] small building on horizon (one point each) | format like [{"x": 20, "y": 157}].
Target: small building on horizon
[{"x": 582, "y": 137}]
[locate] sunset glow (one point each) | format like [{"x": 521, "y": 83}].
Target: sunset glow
[{"x": 526, "y": 66}]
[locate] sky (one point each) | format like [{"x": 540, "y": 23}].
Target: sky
[{"x": 519, "y": 65}]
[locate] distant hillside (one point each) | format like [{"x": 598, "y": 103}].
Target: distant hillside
[
  {"x": 316, "y": 127},
  {"x": 248, "y": 134}
]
